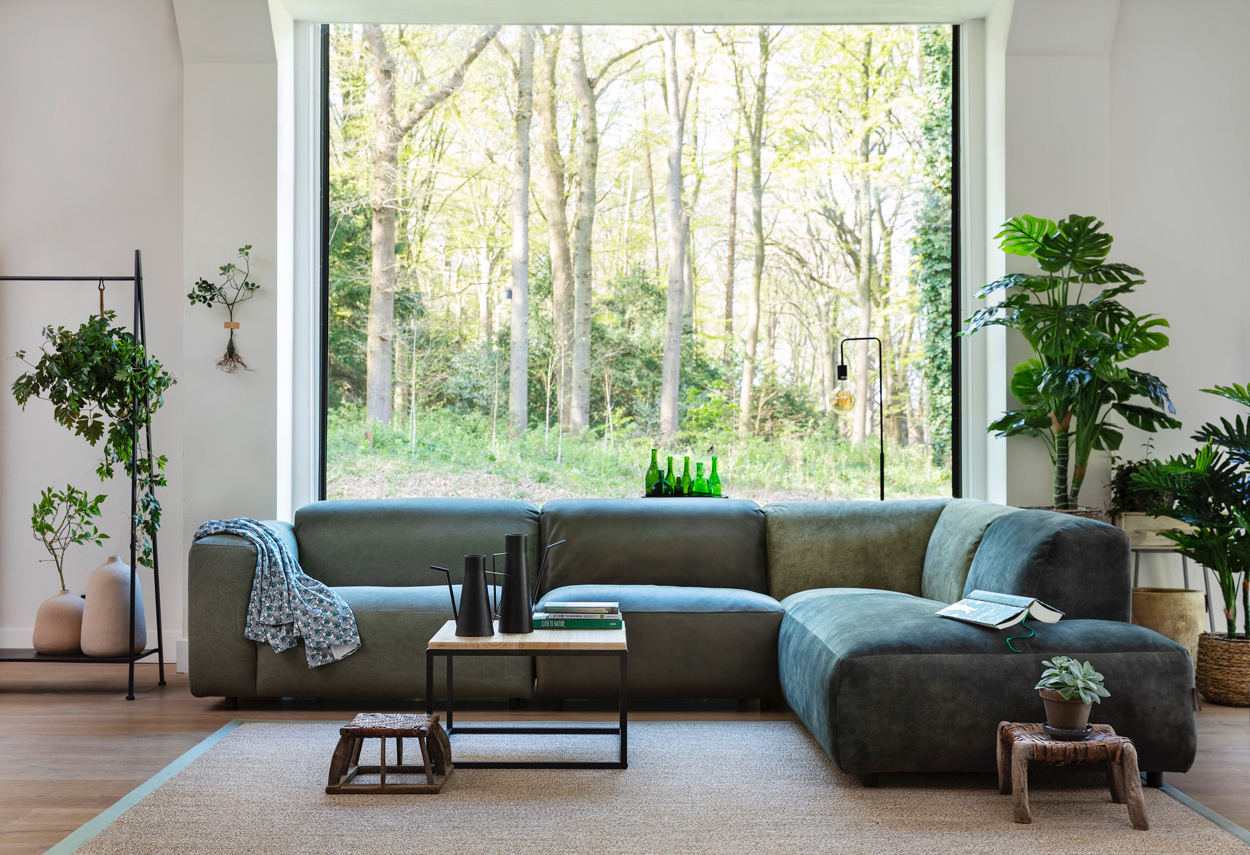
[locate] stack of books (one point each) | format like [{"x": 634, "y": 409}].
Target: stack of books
[{"x": 554, "y": 615}]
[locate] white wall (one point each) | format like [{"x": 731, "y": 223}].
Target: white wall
[
  {"x": 1136, "y": 111},
  {"x": 90, "y": 170}
]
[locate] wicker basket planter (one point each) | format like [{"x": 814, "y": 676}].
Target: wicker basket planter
[
  {"x": 1223, "y": 673},
  {"x": 1087, "y": 513}
]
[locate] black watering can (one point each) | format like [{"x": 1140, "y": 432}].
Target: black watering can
[
  {"x": 515, "y": 613},
  {"x": 473, "y": 617}
]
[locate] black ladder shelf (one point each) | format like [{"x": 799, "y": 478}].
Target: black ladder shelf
[{"x": 27, "y": 655}]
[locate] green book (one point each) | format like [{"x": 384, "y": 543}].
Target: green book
[{"x": 541, "y": 621}]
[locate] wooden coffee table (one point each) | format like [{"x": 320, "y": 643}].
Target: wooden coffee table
[{"x": 540, "y": 642}]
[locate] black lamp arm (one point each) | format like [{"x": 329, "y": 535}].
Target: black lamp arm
[{"x": 880, "y": 391}]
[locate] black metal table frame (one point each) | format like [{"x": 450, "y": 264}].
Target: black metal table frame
[{"x": 622, "y": 661}]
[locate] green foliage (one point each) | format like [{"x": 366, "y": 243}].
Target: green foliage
[
  {"x": 931, "y": 246},
  {"x": 1069, "y": 677},
  {"x": 102, "y": 385},
  {"x": 235, "y": 288},
  {"x": 63, "y": 519},
  {"x": 1126, "y": 496},
  {"x": 1210, "y": 491},
  {"x": 1077, "y": 383}
]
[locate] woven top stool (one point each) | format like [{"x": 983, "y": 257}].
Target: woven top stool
[
  {"x": 1018, "y": 743},
  {"x": 435, "y": 754}
]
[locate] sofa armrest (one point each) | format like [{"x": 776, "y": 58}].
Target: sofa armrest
[
  {"x": 220, "y": 571},
  {"x": 1079, "y": 566}
]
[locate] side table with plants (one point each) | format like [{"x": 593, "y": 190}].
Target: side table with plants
[{"x": 1209, "y": 490}]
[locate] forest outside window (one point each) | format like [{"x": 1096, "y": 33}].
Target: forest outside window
[{"x": 551, "y": 249}]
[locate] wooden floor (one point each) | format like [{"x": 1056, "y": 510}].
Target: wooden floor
[{"x": 72, "y": 745}]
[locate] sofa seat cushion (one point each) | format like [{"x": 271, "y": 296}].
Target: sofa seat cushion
[
  {"x": 395, "y": 625},
  {"x": 683, "y": 643},
  {"x": 885, "y": 685}
]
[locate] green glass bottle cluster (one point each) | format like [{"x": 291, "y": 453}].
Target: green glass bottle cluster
[{"x": 660, "y": 484}]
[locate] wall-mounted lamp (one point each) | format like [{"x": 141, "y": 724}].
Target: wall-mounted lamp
[{"x": 844, "y": 397}]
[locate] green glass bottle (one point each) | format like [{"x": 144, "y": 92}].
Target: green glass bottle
[
  {"x": 713, "y": 480},
  {"x": 686, "y": 480},
  {"x": 653, "y": 477},
  {"x": 699, "y": 486},
  {"x": 669, "y": 479}
]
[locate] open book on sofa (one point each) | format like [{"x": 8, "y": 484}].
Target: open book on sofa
[{"x": 999, "y": 611}]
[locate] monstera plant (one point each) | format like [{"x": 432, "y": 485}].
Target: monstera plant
[{"x": 1076, "y": 393}]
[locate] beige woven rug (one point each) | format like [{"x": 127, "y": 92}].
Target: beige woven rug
[{"x": 705, "y": 787}]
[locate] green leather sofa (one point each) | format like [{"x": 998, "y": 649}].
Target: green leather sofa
[{"x": 827, "y": 604}]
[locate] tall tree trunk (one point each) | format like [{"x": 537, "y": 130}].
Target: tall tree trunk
[
  {"x": 485, "y": 315},
  {"x": 655, "y": 223},
  {"x": 583, "y": 270},
  {"x": 731, "y": 260},
  {"x": 860, "y": 423},
  {"x": 755, "y": 133},
  {"x": 688, "y": 296},
  {"x": 388, "y": 133},
  {"x": 518, "y": 372},
  {"x": 678, "y": 94},
  {"x": 555, "y": 201},
  {"x": 824, "y": 350}
]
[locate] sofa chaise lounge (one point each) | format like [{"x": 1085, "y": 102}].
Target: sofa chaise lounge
[{"x": 827, "y": 604}]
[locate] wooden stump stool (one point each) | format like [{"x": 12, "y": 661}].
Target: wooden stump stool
[
  {"x": 435, "y": 754},
  {"x": 1018, "y": 743}
]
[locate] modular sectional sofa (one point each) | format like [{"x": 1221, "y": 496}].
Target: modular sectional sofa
[{"x": 827, "y": 604}]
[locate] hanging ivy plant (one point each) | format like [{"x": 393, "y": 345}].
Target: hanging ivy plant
[{"x": 96, "y": 378}]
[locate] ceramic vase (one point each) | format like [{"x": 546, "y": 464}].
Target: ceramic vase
[
  {"x": 58, "y": 624},
  {"x": 106, "y": 616}
]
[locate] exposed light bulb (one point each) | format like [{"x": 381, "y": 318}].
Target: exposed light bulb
[{"x": 843, "y": 399}]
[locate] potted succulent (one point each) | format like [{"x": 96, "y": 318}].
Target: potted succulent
[
  {"x": 1068, "y": 688},
  {"x": 1209, "y": 490},
  {"x": 60, "y": 520},
  {"x": 1082, "y": 336}
]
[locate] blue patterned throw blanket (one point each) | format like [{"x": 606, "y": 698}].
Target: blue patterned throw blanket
[{"x": 287, "y": 604}]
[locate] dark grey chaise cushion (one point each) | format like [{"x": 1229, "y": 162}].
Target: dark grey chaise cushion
[
  {"x": 683, "y": 643},
  {"x": 885, "y": 685}
]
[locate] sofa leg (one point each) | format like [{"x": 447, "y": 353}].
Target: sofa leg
[
  {"x": 232, "y": 703},
  {"x": 1153, "y": 779},
  {"x": 868, "y": 779},
  {"x": 514, "y": 703},
  {"x": 766, "y": 704}
]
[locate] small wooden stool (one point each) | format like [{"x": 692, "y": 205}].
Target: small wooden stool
[
  {"x": 1018, "y": 743},
  {"x": 435, "y": 754}
]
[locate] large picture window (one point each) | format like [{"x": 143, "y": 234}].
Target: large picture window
[{"x": 552, "y": 249}]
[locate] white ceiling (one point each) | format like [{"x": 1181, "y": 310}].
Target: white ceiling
[{"x": 638, "y": 11}]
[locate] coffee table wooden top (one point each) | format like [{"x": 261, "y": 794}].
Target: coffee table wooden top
[{"x": 539, "y": 639}]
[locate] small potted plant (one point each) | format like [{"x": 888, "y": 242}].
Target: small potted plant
[
  {"x": 1068, "y": 688},
  {"x": 60, "y": 520}
]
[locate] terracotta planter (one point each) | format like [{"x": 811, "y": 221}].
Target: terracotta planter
[
  {"x": 106, "y": 618},
  {"x": 1177, "y": 613},
  {"x": 1223, "y": 674},
  {"x": 1064, "y": 715},
  {"x": 58, "y": 624}
]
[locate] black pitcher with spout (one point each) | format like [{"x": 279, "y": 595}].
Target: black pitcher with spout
[
  {"x": 515, "y": 613},
  {"x": 473, "y": 616}
]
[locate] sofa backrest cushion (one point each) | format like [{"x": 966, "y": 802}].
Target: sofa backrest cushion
[
  {"x": 953, "y": 545},
  {"x": 393, "y": 542},
  {"x": 1079, "y": 566},
  {"x": 704, "y": 543},
  {"x": 849, "y": 544}
]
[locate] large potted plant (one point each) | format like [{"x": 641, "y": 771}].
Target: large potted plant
[
  {"x": 1076, "y": 385},
  {"x": 1210, "y": 491},
  {"x": 103, "y": 386}
]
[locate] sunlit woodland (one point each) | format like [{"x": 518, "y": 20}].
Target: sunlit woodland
[{"x": 555, "y": 248}]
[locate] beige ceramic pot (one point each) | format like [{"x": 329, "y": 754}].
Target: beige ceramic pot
[
  {"x": 1178, "y": 613},
  {"x": 106, "y": 617},
  {"x": 58, "y": 624},
  {"x": 1064, "y": 715}
]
